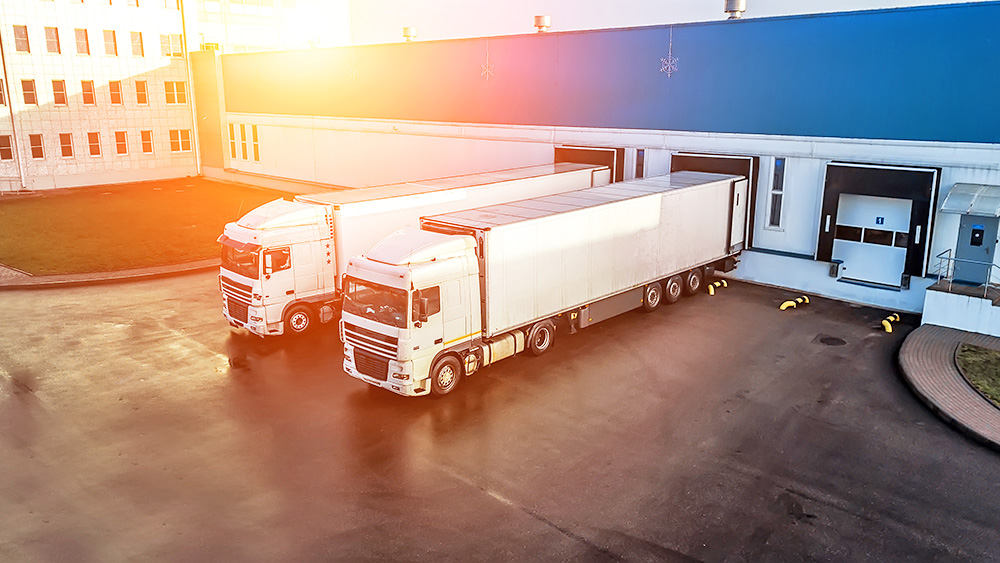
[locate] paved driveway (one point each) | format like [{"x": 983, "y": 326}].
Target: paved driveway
[{"x": 135, "y": 426}]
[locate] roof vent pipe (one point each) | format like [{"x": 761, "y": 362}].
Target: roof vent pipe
[
  {"x": 735, "y": 8},
  {"x": 543, "y": 23},
  {"x": 409, "y": 33}
]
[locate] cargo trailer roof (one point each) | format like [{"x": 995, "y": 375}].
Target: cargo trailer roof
[
  {"x": 513, "y": 212},
  {"x": 437, "y": 184}
]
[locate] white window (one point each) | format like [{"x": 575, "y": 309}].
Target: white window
[
  {"x": 3, "y": 101},
  {"x": 21, "y": 38},
  {"x": 170, "y": 45},
  {"x": 28, "y": 88},
  {"x": 147, "y": 141},
  {"x": 243, "y": 140},
  {"x": 140, "y": 92},
  {"x": 180, "y": 140},
  {"x": 89, "y": 97},
  {"x": 59, "y": 92},
  {"x": 110, "y": 43},
  {"x": 232, "y": 140},
  {"x": 176, "y": 93},
  {"x": 777, "y": 194},
  {"x": 66, "y": 144},
  {"x": 82, "y": 42},
  {"x": 137, "y": 48},
  {"x": 256, "y": 147},
  {"x": 6, "y": 148},
  {"x": 52, "y": 39},
  {"x": 94, "y": 142},
  {"x": 121, "y": 142},
  {"x": 35, "y": 140}
]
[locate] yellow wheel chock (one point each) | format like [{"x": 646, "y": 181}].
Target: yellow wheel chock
[
  {"x": 887, "y": 322},
  {"x": 794, "y": 304},
  {"x": 713, "y": 285}
]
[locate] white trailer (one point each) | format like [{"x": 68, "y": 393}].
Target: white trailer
[
  {"x": 472, "y": 287},
  {"x": 283, "y": 263}
]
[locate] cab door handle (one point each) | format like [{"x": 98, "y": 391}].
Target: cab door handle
[
  {"x": 289, "y": 292},
  {"x": 439, "y": 340}
]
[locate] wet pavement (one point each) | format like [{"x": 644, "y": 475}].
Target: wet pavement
[{"x": 135, "y": 425}]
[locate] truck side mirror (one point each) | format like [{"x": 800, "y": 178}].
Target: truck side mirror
[{"x": 422, "y": 310}]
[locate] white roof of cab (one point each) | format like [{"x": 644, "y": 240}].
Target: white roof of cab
[
  {"x": 281, "y": 213},
  {"x": 410, "y": 245}
]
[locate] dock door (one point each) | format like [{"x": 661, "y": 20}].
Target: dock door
[{"x": 876, "y": 222}]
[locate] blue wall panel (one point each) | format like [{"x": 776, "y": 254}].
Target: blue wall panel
[{"x": 929, "y": 73}]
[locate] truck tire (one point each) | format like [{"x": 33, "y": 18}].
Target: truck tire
[
  {"x": 299, "y": 319},
  {"x": 541, "y": 336},
  {"x": 651, "y": 297},
  {"x": 445, "y": 376},
  {"x": 693, "y": 280},
  {"x": 672, "y": 289}
]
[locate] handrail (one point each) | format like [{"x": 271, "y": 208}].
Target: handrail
[{"x": 946, "y": 270}]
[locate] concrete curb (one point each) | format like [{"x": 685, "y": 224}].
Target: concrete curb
[
  {"x": 927, "y": 361},
  {"x": 27, "y": 281}
]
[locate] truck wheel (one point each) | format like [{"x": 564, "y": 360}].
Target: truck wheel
[
  {"x": 541, "y": 336},
  {"x": 673, "y": 289},
  {"x": 299, "y": 319},
  {"x": 445, "y": 376},
  {"x": 652, "y": 297},
  {"x": 693, "y": 281}
]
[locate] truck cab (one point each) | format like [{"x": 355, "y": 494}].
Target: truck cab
[
  {"x": 413, "y": 299},
  {"x": 276, "y": 267}
]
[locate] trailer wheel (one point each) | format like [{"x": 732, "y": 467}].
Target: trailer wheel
[
  {"x": 652, "y": 296},
  {"x": 693, "y": 281},
  {"x": 445, "y": 375},
  {"x": 673, "y": 289},
  {"x": 299, "y": 319},
  {"x": 541, "y": 336}
]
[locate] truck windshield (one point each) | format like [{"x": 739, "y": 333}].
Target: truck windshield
[
  {"x": 239, "y": 261},
  {"x": 374, "y": 301}
]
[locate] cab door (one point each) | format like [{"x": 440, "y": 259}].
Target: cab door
[
  {"x": 428, "y": 338},
  {"x": 278, "y": 284}
]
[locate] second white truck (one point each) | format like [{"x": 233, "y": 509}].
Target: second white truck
[
  {"x": 283, "y": 262},
  {"x": 425, "y": 308}
]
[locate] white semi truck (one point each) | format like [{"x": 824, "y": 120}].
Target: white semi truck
[
  {"x": 283, "y": 262},
  {"x": 427, "y": 306}
]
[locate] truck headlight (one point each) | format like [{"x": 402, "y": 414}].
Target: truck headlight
[{"x": 401, "y": 376}]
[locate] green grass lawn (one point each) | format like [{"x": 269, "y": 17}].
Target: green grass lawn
[
  {"x": 108, "y": 228},
  {"x": 981, "y": 367}
]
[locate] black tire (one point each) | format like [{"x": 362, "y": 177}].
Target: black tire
[
  {"x": 299, "y": 320},
  {"x": 694, "y": 280},
  {"x": 651, "y": 297},
  {"x": 672, "y": 289},
  {"x": 445, "y": 376},
  {"x": 541, "y": 337}
]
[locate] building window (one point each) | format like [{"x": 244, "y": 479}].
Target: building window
[
  {"x": 94, "y": 141},
  {"x": 115, "y": 87},
  {"x": 52, "y": 39},
  {"x": 82, "y": 42},
  {"x": 6, "y": 148},
  {"x": 21, "y": 39},
  {"x": 243, "y": 140},
  {"x": 3, "y": 100},
  {"x": 777, "y": 194},
  {"x": 133, "y": 3},
  {"x": 66, "y": 144},
  {"x": 121, "y": 142},
  {"x": 110, "y": 43},
  {"x": 170, "y": 45},
  {"x": 28, "y": 88},
  {"x": 232, "y": 140},
  {"x": 59, "y": 92},
  {"x": 147, "y": 141},
  {"x": 175, "y": 92},
  {"x": 256, "y": 147},
  {"x": 35, "y": 141},
  {"x": 140, "y": 92},
  {"x": 88, "y": 92},
  {"x": 137, "y": 50},
  {"x": 180, "y": 140}
]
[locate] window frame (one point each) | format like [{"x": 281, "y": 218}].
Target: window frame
[
  {"x": 21, "y": 39},
  {"x": 91, "y": 143},
  {"x": 137, "y": 42},
  {"x": 183, "y": 136},
  {"x": 255, "y": 143},
  {"x": 25, "y": 92},
  {"x": 121, "y": 143},
  {"x": 115, "y": 90},
  {"x": 59, "y": 92},
  {"x": 232, "y": 141},
  {"x": 176, "y": 91},
  {"x": 141, "y": 93},
  {"x": 86, "y": 41},
  {"x": 40, "y": 146},
  {"x": 776, "y": 195},
  {"x": 7, "y": 146},
  {"x": 110, "y": 49},
  {"x": 63, "y": 146},
  {"x": 49, "y": 40},
  {"x": 87, "y": 88},
  {"x": 146, "y": 138}
]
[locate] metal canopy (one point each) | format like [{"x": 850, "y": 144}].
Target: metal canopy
[{"x": 973, "y": 199}]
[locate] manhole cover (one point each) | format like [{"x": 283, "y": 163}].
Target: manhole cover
[{"x": 832, "y": 341}]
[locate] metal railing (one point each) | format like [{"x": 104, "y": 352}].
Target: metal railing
[{"x": 945, "y": 270}]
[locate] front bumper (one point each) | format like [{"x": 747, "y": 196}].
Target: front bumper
[{"x": 407, "y": 388}]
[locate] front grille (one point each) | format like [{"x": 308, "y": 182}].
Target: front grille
[
  {"x": 236, "y": 289},
  {"x": 237, "y": 308},
  {"x": 371, "y": 341},
  {"x": 371, "y": 365}
]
